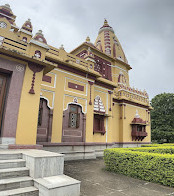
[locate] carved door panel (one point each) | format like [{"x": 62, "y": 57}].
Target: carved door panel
[
  {"x": 3, "y": 82},
  {"x": 73, "y": 125}
]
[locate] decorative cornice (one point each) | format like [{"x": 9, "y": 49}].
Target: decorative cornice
[
  {"x": 39, "y": 44},
  {"x": 27, "y": 32},
  {"x": 15, "y": 26},
  {"x": 7, "y": 16},
  {"x": 122, "y": 101},
  {"x": 106, "y": 29}
]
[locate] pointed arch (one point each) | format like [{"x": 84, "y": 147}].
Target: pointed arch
[
  {"x": 78, "y": 104},
  {"x": 121, "y": 79}
]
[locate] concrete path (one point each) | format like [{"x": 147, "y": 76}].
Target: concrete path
[{"x": 96, "y": 181}]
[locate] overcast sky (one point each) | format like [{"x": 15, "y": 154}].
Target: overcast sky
[{"x": 145, "y": 29}]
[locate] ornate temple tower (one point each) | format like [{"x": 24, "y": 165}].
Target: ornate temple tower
[{"x": 108, "y": 43}]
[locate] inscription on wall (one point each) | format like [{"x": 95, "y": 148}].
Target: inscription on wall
[{"x": 75, "y": 86}]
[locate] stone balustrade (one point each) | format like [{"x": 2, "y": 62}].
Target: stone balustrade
[{"x": 125, "y": 92}]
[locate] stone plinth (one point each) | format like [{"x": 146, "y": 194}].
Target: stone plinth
[
  {"x": 57, "y": 186},
  {"x": 43, "y": 163}
]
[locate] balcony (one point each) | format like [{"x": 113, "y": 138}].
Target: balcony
[{"x": 138, "y": 135}]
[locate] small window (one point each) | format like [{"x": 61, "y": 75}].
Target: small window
[
  {"x": 139, "y": 128},
  {"x": 74, "y": 117},
  {"x": 99, "y": 124},
  {"x": 24, "y": 39},
  {"x": 37, "y": 54}
]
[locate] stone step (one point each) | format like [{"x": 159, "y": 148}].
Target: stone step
[
  {"x": 12, "y": 163},
  {"x": 3, "y": 146},
  {"x": 79, "y": 155},
  {"x": 27, "y": 191},
  {"x": 14, "y": 172},
  {"x": 13, "y": 183},
  {"x": 11, "y": 155},
  {"x": 60, "y": 185}
]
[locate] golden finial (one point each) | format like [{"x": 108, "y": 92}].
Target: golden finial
[
  {"x": 61, "y": 47},
  {"x": 87, "y": 39},
  {"x": 7, "y": 5},
  {"x": 40, "y": 31},
  {"x": 105, "y": 22}
]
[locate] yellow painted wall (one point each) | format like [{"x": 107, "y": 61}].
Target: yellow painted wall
[
  {"x": 65, "y": 96},
  {"x": 117, "y": 130},
  {"x": 130, "y": 112},
  {"x": 90, "y": 115},
  {"x": 28, "y": 110},
  {"x": 58, "y": 109},
  {"x": 115, "y": 123}
]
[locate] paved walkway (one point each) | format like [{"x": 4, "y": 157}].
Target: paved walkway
[{"x": 96, "y": 181}]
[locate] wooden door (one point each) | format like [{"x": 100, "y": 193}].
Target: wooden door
[
  {"x": 3, "y": 81},
  {"x": 73, "y": 124}
]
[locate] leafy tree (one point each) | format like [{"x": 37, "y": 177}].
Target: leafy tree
[{"x": 162, "y": 118}]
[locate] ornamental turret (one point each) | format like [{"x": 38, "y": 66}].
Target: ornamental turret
[
  {"x": 6, "y": 12},
  {"x": 41, "y": 43},
  {"x": 40, "y": 37},
  {"x": 108, "y": 43},
  {"x": 26, "y": 31},
  {"x": 27, "y": 26}
]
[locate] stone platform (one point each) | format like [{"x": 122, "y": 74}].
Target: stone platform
[{"x": 35, "y": 172}]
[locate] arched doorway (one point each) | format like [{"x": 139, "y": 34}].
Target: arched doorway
[
  {"x": 44, "y": 129},
  {"x": 74, "y": 124}
]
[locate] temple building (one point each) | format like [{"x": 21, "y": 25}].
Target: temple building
[{"x": 77, "y": 103}]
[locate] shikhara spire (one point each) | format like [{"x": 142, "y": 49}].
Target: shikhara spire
[{"x": 108, "y": 43}]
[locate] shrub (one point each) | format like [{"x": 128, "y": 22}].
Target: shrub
[
  {"x": 160, "y": 149},
  {"x": 148, "y": 166},
  {"x": 157, "y": 145}
]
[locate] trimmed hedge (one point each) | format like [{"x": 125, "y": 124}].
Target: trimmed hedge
[
  {"x": 159, "y": 150},
  {"x": 157, "y": 145},
  {"x": 152, "y": 167}
]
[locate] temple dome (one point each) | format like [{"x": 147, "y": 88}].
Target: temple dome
[
  {"x": 40, "y": 37},
  {"x": 27, "y": 26},
  {"x": 6, "y": 12}
]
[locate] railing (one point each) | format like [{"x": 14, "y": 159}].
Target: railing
[
  {"x": 53, "y": 51},
  {"x": 139, "y": 133},
  {"x": 79, "y": 61},
  {"x": 19, "y": 46},
  {"x": 128, "y": 93}
]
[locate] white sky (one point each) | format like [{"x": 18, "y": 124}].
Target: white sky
[{"x": 145, "y": 29}]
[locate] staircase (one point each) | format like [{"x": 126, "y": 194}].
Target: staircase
[{"x": 14, "y": 176}]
